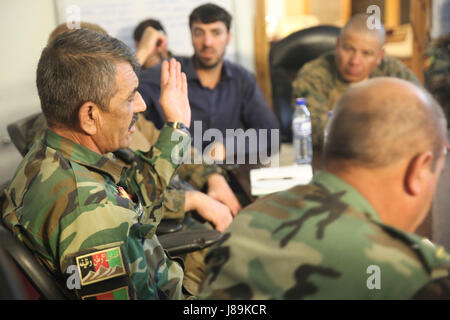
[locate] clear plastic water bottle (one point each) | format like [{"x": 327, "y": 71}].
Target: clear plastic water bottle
[
  {"x": 327, "y": 127},
  {"x": 301, "y": 133}
]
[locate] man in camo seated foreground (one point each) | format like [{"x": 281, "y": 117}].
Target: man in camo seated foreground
[{"x": 349, "y": 233}]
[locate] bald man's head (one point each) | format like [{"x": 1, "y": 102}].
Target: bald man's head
[
  {"x": 384, "y": 120},
  {"x": 361, "y": 23}
]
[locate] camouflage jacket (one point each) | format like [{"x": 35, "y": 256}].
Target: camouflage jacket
[
  {"x": 321, "y": 241},
  {"x": 78, "y": 209},
  {"x": 143, "y": 138},
  {"x": 321, "y": 84}
]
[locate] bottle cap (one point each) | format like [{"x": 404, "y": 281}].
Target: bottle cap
[{"x": 300, "y": 101}]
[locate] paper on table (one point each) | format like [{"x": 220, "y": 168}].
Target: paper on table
[{"x": 268, "y": 180}]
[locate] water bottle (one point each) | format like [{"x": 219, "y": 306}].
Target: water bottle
[
  {"x": 301, "y": 133},
  {"x": 327, "y": 127}
]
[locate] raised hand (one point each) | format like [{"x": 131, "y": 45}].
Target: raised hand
[{"x": 174, "y": 93}]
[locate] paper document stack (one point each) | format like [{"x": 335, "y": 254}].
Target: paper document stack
[{"x": 268, "y": 180}]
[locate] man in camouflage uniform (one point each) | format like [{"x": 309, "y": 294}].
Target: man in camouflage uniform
[
  {"x": 359, "y": 55},
  {"x": 75, "y": 206},
  {"x": 220, "y": 204},
  {"x": 349, "y": 233}
]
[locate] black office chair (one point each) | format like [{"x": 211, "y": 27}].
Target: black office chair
[
  {"x": 286, "y": 57},
  {"x": 19, "y": 132}
]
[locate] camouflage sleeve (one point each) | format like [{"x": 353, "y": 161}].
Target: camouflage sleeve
[
  {"x": 197, "y": 174},
  {"x": 113, "y": 224},
  {"x": 152, "y": 172},
  {"x": 313, "y": 84}
]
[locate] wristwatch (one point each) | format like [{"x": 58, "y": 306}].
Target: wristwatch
[{"x": 180, "y": 126}]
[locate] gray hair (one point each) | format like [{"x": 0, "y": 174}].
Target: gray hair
[{"x": 78, "y": 67}]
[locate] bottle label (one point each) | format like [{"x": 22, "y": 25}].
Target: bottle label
[{"x": 302, "y": 127}]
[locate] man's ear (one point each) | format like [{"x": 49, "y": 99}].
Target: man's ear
[
  {"x": 417, "y": 173},
  {"x": 89, "y": 117}
]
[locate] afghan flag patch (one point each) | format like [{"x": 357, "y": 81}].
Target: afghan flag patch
[
  {"x": 100, "y": 265},
  {"x": 118, "y": 294}
]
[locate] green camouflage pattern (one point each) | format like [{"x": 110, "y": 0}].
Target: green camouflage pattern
[
  {"x": 65, "y": 199},
  {"x": 320, "y": 83},
  {"x": 437, "y": 59},
  {"x": 318, "y": 242},
  {"x": 194, "y": 174}
]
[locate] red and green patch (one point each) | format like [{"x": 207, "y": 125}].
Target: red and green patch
[
  {"x": 118, "y": 294},
  {"x": 100, "y": 265}
]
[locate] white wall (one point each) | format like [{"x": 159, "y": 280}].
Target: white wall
[{"x": 24, "y": 29}]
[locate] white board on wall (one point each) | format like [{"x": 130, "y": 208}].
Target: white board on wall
[{"x": 120, "y": 17}]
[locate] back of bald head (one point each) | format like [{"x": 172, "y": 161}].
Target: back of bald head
[
  {"x": 362, "y": 23},
  {"x": 63, "y": 28},
  {"x": 384, "y": 120}
]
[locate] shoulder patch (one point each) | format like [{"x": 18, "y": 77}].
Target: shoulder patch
[{"x": 100, "y": 265}]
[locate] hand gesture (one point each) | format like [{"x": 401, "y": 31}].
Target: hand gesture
[{"x": 174, "y": 93}]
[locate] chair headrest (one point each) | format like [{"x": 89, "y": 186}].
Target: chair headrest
[{"x": 291, "y": 52}]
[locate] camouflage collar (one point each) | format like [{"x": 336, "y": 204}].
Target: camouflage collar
[
  {"x": 82, "y": 155},
  {"x": 335, "y": 185}
]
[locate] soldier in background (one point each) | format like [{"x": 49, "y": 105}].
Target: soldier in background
[
  {"x": 359, "y": 55},
  {"x": 437, "y": 81},
  {"x": 69, "y": 201},
  {"x": 349, "y": 233}
]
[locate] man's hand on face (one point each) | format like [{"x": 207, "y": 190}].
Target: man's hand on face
[
  {"x": 209, "y": 209},
  {"x": 219, "y": 190},
  {"x": 174, "y": 93},
  {"x": 152, "y": 45}
]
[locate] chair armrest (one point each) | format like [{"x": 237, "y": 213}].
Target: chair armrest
[{"x": 188, "y": 241}]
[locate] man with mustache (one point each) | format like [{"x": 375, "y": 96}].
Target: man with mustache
[
  {"x": 222, "y": 94},
  {"x": 70, "y": 201}
]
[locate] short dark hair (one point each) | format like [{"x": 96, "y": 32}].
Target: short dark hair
[
  {"x": 209, "y": 13},
  {"x": 77, "y": 67},
  {"x": 139, "y": 30}
]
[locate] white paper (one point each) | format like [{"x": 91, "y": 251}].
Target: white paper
[{"x": 268, "y": 180}]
